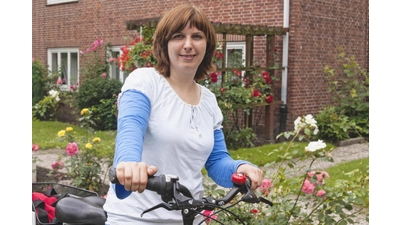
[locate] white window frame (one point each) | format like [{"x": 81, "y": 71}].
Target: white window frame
[
  {"x": 236, "y": 45},
  {"x": 54, "y": 2},
  {"x": 59, "y": 51}
]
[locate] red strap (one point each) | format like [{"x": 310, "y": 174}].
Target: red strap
[{"x": 47, "y": 204}]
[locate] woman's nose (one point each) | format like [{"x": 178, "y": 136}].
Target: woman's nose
[{"x": 188, "y": 44}]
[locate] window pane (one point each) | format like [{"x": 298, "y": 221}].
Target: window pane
[
  {"x": 114, "y": 67},
  {"x": 234, "y": 58},
  {"x": 54, "y": 63},
  {"x": 64, "y": 68},
  {"x": 74, "y": 68}
]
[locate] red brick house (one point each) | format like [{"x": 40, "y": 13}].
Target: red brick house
[{"x": 315, "y": 30}]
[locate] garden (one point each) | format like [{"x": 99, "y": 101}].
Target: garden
[{"x": 334, "y": 196}]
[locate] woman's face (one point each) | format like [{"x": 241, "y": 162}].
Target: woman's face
[{"x": 186, "y": 50}]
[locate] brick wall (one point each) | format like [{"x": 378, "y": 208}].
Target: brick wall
[{"x": 317, "y": 29}]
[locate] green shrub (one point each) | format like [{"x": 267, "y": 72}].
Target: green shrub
[
  {"x": 105, "y": 114},
  {"x": 349, "y": 87},
  {"x": 239, "y": 138},
  {"x": 39, "y": 75},
  {"x": 46, "y": 108},
  {"x": 92, "y": 91},
  {"x": 334, "y": 126}
]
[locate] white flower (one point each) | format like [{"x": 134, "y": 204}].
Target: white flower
[
  {"x": 310, "y": 120},
  {"x": 298, "y": 124},
  {"x": 315, "y": 145},
  {"x": 316, "y": 131},
  {"x": 53, "y": 93}
]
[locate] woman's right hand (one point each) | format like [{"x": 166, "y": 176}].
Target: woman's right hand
[{"x": 134, "y": 175}]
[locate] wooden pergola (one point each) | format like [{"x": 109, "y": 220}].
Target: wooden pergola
[{"x": 249, "y": 32}]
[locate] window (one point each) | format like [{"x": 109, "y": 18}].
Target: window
[
  {"x": 64, "y": 63},
  {"x": 235, "y": 55},
  {"x": 115, "y": 71},
  {"x": 53, "y": 2}
]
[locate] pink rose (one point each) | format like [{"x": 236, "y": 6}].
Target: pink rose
[
  {"x": 207, "y": 213},
  {"x": 308, "y": 187},
  {"x": 35, "y": 147},
  {"x": 265, "y": 187},
  {"x": 59, "y": 81},
  {"x": 321, "y": 176},
  {"x": 72, "y": 149},
  {"x": 58, "y": 165},
  {"x": 320, "y": 193},
  {"x": 103, "y": 75}
]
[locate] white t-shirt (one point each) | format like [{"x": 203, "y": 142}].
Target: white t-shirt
[{"x": 178, "y": 140}]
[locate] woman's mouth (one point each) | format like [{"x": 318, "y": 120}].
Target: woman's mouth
[{"x": 187, "y": 56}]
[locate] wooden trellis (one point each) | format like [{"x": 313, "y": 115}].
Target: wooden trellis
[{"x": 249, "y": 32}]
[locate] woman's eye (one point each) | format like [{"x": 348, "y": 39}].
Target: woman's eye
[
  {"x": 197, "y": 36},
  {"x": 177, "y": 36}
]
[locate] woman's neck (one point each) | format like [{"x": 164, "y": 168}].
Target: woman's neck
[{"x": 186, "y": 89}]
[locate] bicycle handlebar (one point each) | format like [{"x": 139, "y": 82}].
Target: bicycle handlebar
[{"x": 177, "y": 197}]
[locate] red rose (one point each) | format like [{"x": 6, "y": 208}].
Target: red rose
[
  {"x": 266, "y": 77},
  {"x": 269, "y": 98},
  {"x": 254, "y": 210},
  {"x": 214, "y": 77},
  {"x": 256, "y": 93}
]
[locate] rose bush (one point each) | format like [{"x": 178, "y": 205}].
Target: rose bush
[
  {"x": 137, "y": 53},
  {"x": 299, "y": 193},
  {"x": 83, "y": 163}
]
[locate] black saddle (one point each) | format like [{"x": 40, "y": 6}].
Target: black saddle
[{"x": 81, "y": 210}]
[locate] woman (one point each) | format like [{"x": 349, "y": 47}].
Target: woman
[{"x": 169, "y": 124}]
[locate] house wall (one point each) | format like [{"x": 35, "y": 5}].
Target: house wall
[{"x": 317, "y": 29}]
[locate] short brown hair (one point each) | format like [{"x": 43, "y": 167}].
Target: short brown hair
[{"x": 175, "y": 21}]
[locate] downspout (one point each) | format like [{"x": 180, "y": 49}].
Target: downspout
[{"x": 285, "y": 53}]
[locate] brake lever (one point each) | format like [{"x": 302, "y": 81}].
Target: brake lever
[
  {"x": 263, "y": 200},
  {"x": 161, "y": 205}
]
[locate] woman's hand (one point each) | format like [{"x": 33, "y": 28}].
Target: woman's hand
[
  {"x": 254, "y": 173},
  {"x": 134, "y": 175}
]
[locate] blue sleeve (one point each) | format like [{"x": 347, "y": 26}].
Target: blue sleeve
[
  {"x": 220, "y": 166},
  {"x": 133, "y": 117}
]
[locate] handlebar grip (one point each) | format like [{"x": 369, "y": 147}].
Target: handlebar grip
[{"x": 154, "y": 183}]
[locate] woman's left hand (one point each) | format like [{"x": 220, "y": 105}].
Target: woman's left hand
[{"x": 254, "y": 173}]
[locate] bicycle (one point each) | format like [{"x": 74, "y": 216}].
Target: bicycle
[{"x": 175, "y": 196}]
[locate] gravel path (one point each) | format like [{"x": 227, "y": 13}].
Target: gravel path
[{"x": 340, "y": 155}]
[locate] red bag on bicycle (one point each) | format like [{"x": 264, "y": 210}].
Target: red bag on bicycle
[{"x": 44, "y": 205}]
